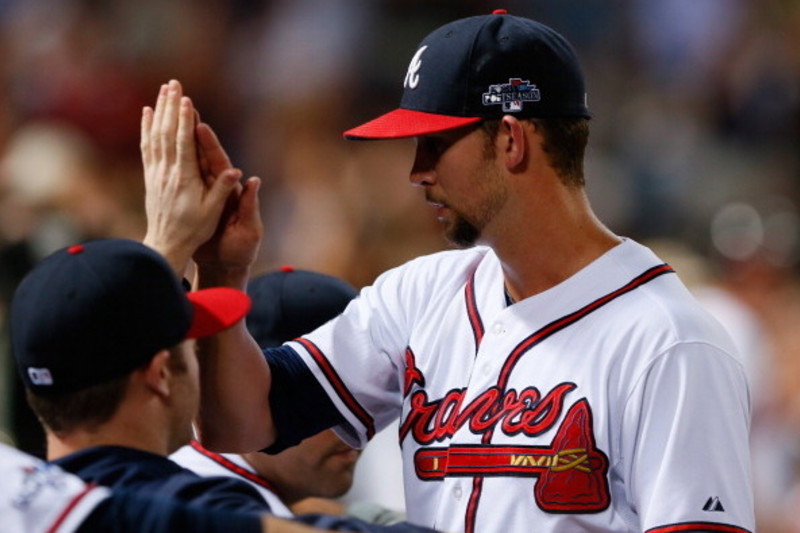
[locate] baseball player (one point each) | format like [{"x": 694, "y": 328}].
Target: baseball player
[
  {"x": 102, "y": 334},
  {"x": 551, "y": 376}
]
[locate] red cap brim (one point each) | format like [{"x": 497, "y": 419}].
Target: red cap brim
[
  {"x": 402, "y": 123},
  {"x": 216, "y": 310}
]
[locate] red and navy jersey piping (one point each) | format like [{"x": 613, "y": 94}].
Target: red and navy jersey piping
[{"x": 338, "y": 385}]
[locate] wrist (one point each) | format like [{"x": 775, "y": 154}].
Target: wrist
[
  {"x": 216, "y": 275},
  {"x": 177, "y": 257}
]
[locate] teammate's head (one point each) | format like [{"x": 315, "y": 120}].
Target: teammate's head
[
  {"x": 88, "y": 316},
  {"x": 482, "y": 68},
  {"x": 470, "y": 81},
  {"x": 286, "y": 304},
  {"x": 289, "y": 302}
]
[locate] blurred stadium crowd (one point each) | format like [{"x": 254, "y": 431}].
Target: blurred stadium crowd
[{"x": 695, "y": 149}]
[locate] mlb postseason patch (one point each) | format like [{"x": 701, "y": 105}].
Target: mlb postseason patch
[{"x": 511, "y": 95}]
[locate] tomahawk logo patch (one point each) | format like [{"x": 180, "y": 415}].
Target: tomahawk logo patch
[{"x": 512, "y": 95}]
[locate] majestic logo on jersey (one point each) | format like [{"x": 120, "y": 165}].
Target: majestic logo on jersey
[
  {"x": 714, "y": 505},
  {"x": 512, "y": 95},
  {"x": 412, "y": 76}
]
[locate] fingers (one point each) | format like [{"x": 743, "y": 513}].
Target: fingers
[
  {"x": 144, "y": 136},
  {"x": 149, "y": 117},
  {"x": 249, "y": 211},
  {"x": 186, "y": 147},
  {"x": 222, "y": 187},
  {"x": 168, "y": 126},
  {"x": 164, "y": 137},
  {"x": 212, "y": 150},
  {"x": 208, "y": 177},
  {"x": 155, "y": 124}
]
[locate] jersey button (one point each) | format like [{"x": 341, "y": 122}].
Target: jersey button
[
  {"x": 498, "y": 329},
  {"x": 457, "y": 493}
]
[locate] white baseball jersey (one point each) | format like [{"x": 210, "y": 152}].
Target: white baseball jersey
[
  {"x": 207, "y": 463},
  {"x": 609, "y": 403},
  {"x": 38, "y": 497}
]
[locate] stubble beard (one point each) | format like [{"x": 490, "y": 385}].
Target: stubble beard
[
  {"x": 462, "y": 233},
  {"x": 465, "y": 233}
]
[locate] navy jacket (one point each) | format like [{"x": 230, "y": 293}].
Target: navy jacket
[
  {"x": 156, "y": 476},
  {"x": 138, "y": 473}
]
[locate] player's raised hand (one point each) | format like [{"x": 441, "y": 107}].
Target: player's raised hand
[
  {"x": 236, "y": 240},
  {"x": 183, "y": 209}
]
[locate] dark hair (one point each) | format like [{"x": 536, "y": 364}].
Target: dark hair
[
  {"x": 90, "y": 407},
  {"x": 564, "y": 141},
  {"x": 87, "y": 408}
]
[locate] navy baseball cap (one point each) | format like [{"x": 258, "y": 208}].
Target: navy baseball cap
[
  {"x": 480, "y": 68},
  {"x": 96, "y": 311},
  {"x": 288, "y": 303}
]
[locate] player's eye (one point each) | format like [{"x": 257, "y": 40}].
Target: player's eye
[{"x": 434, "y": 146}]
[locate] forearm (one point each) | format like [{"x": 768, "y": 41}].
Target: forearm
[{"x": 235, "y": 380}]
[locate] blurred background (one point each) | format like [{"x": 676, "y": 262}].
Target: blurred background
[{"x": 694, "y": 150}]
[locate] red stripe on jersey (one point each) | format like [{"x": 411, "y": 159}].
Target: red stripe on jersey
[
  {"x": 472, "y": 507},
  {"x": 233, "y": 467},
  {"x": 698, "y": 526},
  {"x": 566, "y": 321},
  {"x": 472, "y": 311},
  {"x": 69, "y": 508},
  {"x": 539, "y": 336},
  {"x": 338, "y": 385}
]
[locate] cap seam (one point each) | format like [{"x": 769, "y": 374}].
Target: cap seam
[{"x": 470, "y": 71}]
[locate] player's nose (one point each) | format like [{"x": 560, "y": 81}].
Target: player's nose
[{"x": 422, "y": 171}]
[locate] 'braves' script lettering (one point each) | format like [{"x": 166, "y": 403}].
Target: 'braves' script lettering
[{"x": 513, "y": 412}]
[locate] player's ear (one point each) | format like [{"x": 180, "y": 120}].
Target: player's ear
[
  {"x": 511, "y": 146},
  {"x": 157, "y": 374}
]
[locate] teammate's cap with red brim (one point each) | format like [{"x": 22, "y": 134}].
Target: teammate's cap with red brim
[
  {"x": 482, "y": 68},
  {"x": 94, "y": 312},
  {"x": 215, "y": 310}
]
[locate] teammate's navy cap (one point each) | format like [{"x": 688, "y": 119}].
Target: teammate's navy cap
[
  {"x": 289, "y": 303},
  {"x": 481, "y": 68},
  {"x": 94, "y": 312}
]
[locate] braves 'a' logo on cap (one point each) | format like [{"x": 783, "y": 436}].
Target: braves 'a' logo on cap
[
  {"x": 512, "y": 95},
  {"x": 412, "y": 76}
]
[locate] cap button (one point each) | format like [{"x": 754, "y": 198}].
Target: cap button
[
  {"x": 287, "y": 268},
  {"x": 500, "y": 12},
  {"x": 75, "y": 249}
]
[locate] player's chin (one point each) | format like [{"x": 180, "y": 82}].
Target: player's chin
[
  {"x": 335, "y": 487},
  {"x": 343, "y": 455},
  {"x": 462, "y": 233}
]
